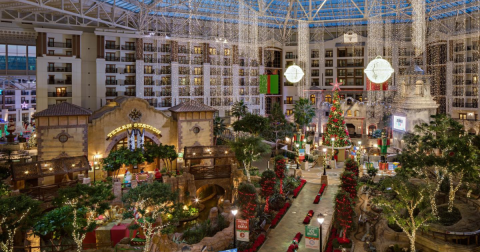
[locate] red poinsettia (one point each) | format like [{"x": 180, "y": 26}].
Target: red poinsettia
[
  {"x": 335, "y": 120},
  {"x": 330, "y": 116},
  {"x": 343, "y": 122},
  {"x": 333, "y": 108}
]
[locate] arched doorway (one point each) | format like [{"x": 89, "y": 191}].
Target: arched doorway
[
  {"x": 371, "y": 129},
  {"x": 351, "y": 129},
  {"x": 472, "y": 132}
]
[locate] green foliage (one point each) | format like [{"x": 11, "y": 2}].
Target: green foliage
[
  {"x": 267, "y": 183},
  {"x": 278, "y": 157},
  {"x": 277, "y": 127},
  {"x": 4, "y": 172},
  {"x": 190, "y": 212},
  {"x": 446, "y": 218},
  {"x": 405, "y": 204},
  {"x": 158, "y": 202},
  {"x": 372, "y": 172},
  {"x": 303, "y": 112},
  {"x": 336, "y": 126},
  {"x": 218, "y": 127},
  {"x": 16, "y": 213},
  {"x": 166, "y": 153},
  {"x": 205, "y": 229},
  {"x": 290, "y": 183},
  {"x": 96, "y": 196},
  {"x": 239, "y": 109},
  {"x": 248, "y": 149},
  {"x": 247, "y": 199},
  {"x": 123, "y": 156},
  {"x": 56, "y": 224},
  {"x": 351, "y": 165},
  {"x": 251, "y": 123},
  {"x": 276, "y": 201}
]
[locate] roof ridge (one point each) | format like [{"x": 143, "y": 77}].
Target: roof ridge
[{"x": 63, "y": 109}]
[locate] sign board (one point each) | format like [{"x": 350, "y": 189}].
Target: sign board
[
  {"x": 230, "y": 250},
  {"x": 312, "y": 237},
  {"x": 399, "y": 123},
  {"x": 301, "y": 154},
  {"x": 307, "y": 148},
  {"x": 242, "y": 230}
]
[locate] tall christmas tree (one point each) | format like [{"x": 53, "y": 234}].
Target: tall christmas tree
[{"x": 336, "y": 124}]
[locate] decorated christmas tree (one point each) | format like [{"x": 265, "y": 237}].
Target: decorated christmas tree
[
  {"x": 349, "y": 183},
  {"x": 267, "y": 183},
  {"x": 336, "y": 124},
  {"x": 247, "y": 200}
]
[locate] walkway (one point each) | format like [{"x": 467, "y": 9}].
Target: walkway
[{"x": 279, "y": 239}]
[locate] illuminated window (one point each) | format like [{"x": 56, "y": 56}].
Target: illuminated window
[
  {"x": 289, "y": 100},
  {"x": 356, "y": 113},
  {"x": 349, "y": 113},
  {"x": 462, "y": 116},
  {"x": 197, "y": 50},
  {"x": 198, "y": 70},
  {"x": 212, "y": 51},
  {"x": 312, "y": 99},
  {"x": 198, "y": 81},
  {"x": 328, "y": 98},
  {"x": 226, "y": 52},
  {"x": 289, "y": 112}
]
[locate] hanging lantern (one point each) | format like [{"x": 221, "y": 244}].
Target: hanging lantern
[
  {"x": 294, "y": 73},
  {"x": 378, "y": 70}
]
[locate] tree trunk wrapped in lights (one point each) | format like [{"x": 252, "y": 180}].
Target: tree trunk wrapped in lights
[
  {"x": 149, "y": 203},
  {"x": 401, "y": 196},
  {"x": 268, "y": 186},
  {"x": 247, "y": 200}
]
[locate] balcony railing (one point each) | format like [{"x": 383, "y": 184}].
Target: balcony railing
[
  {"x": 149, "y": 49},
  {"x": 59, "y": 44},
  {"x": 112, "y": 47},
  {"x": 9, "y": 102},
  {"x": 148, "y": 93},
  {"x": 165, "y": 104},
  {"x": 128, "y": 59},
  {"x": 60, "y": 69},
  {"x": 127, "y": 47},
  {"x": 129, "y": 70},
  {"x": 112, "y": 58},
  {"x": 33, "y": 101},
  {"x": 151, "y": 71},
  {"x": 59, "y": 94},
  {"x": 130, "y": 93},
  {"x": 111, "y": 94},
  {"x": 290, "y": 56},
  {"x": 468, "y": 93},
  {"x": 166, "y": 93},
  {"x": 111, "y": 70},
  {"x": 457, "y": 93},
  {"x": 471, "y": 105},
  {"x": 24, "y": 93},
  {"x": 150, "y": 60},
  {"x": 9, "y": 92},
  {"x": 148, "y": 83},
  {"x": 129, "y": 82},
  {"x": 34, "y": 92},
  {"x": 55, "y": 81},
  {"x": 111, "y": 82}
]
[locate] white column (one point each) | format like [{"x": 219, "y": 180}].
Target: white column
[
  {"x": 139, "y": 80},
  {"x": 101, "y": 85}
]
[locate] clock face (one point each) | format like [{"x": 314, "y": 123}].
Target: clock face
[{"x": 378, "y": 70}]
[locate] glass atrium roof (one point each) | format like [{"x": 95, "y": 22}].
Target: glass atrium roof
[{"x": 321, "y": 12}]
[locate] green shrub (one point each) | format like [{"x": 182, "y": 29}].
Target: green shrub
[{"x": 205, "y": 229}]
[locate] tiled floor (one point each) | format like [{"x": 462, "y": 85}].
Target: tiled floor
[{"x": 280, "y": 238}]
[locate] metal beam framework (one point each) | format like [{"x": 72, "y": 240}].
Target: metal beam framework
[{"x": 143, "y": 15}]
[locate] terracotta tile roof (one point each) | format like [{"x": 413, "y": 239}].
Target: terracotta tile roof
[
  {"x": 63, "y": 109},
  {"x": 191, "y": 106}
]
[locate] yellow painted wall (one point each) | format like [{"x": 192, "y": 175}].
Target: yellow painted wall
[{"x": 49, "y": 130}]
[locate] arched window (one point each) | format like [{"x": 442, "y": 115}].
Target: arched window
[
  {"x": 371, "y": 129},
  {"x": 356, "y": 113},
  {"x": 349, "y": 113},
  {"x": 312, "y": 99},
  {"x": 328, "y": 98}
]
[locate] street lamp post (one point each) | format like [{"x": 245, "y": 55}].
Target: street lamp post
[
  {"x": 324, "y": 164},
  {"x": 234, "y": 212},
  {"x": 333, "y": 156},
  {"x": 320, "y": 219}
]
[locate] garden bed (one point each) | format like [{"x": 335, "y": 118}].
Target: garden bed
[
  {"x": 299, "y": 188},
  {"x": 278, "y": 217}
]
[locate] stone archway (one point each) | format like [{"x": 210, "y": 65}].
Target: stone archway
[
  {"x": 225, "y": 183},
  {"x": 206, "y": 191},
  {"x": 123, "y": 135}
]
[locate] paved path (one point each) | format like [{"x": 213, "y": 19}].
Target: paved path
[{"x": 280, "y": 238}]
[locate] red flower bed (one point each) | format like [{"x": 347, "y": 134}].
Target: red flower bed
[
  {"x": 299, "y": 188},
  {"x": 256, "y": 244},
  {"x": 308, "y": 217},
  {"x": 296, "y": 240},
  {"x": 280, "y": 215},
  {"x": 319, "y": 195}
]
